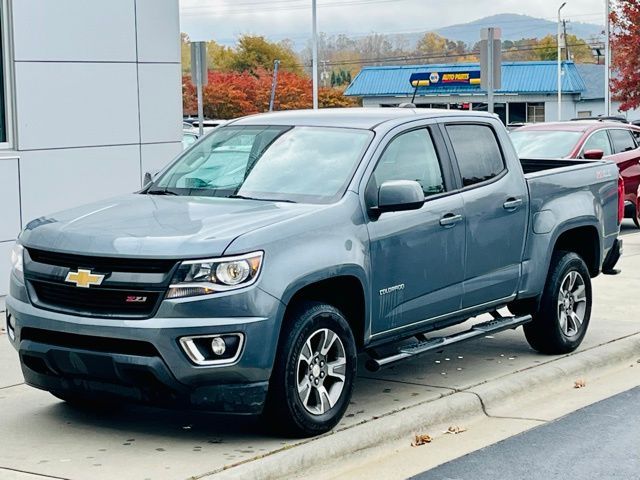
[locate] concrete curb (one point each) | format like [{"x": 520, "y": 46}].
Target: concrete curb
[
  {"x": 406, "y": 422},
  {"x": 564, "y": 370}
]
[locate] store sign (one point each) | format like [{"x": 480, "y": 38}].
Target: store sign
[{"x": 445, "y": 79}]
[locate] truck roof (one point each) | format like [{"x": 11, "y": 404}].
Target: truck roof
[{"x": 368, "y": 118}]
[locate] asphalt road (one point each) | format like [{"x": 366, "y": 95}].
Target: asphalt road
[{"x": 596, "y": 442}]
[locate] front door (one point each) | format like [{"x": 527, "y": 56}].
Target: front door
[
  {"x": 496, "y": 210},
  {"x": 417, "y": 256}
]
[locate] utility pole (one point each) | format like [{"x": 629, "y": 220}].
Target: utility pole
[
  {"x": 274, "y": 84},
  {"x": 566, "y": 44},
  {"x": 314, "y": 51},
  {"x": 199, "y": 76},
  {"x": 607, "y": 59},
  {"x": 490, "y": 63},
  {"x": 490, "y": 71},
  {"x": 560, "y": 64}
]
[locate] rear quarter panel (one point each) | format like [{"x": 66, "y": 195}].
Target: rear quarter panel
[{"x": 563, "y": 199}]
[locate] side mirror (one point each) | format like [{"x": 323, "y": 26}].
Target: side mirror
[
  {"x": 399, "y": 195},
  {"x": 149, "y": 177},
  {"x": 595, "y": 154}
]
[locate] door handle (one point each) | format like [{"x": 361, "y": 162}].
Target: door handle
[
  {"x": 450, "y": 219},
  {"x": 512, "y": 203}
]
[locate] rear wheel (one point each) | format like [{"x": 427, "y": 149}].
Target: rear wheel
[
  {"x": 636, "y": 214},
  {"x": 312, "y": 379},
  {"x": 561, "y": 322}
]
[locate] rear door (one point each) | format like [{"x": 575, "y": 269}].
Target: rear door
[
  {"x": 496, "y": 211},
  {"x": 627, "y": 156}
]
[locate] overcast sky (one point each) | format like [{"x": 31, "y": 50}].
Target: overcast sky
[{"x": 224, "y": 20}]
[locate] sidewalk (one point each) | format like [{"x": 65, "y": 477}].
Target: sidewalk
[{"x": 49, "y": 438}]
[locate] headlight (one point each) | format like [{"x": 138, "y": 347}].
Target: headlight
[
  {"x": 17, "y": 255},
  {"x": 203, "y": 277}
]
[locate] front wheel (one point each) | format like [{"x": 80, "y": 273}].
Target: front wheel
[
  {"x": 313, "y": 375},
  {"x": 561, "y": 322}
]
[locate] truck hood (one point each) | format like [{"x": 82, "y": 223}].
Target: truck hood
[{"x": 151, "y": 226}]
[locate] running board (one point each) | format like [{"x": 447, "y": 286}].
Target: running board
[{"x": 436, "y": 343}]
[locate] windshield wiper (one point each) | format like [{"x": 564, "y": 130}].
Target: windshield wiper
[
  {"x": 261, "y": 199},
  {"x": 160, "y": 191}
]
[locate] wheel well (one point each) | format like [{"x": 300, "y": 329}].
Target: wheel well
[
  {"x": 344, "y": 293},
  {"x": 585, "y": 242}
]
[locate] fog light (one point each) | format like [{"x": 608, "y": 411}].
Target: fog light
[
  {"x": 218, "y": 346},
  {"x": 214, "y": 349}
]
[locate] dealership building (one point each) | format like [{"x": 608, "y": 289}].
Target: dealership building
[
  {"x": 90, "y": 100},
  {"x": 528, "y": 94}
]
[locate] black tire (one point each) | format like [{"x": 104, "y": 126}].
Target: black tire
[
  {"x": 636, "y": 214},
  {"x": 284, "y": 411},
  {"x": 546, "y": 333}
]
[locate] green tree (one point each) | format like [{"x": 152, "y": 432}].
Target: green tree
[
  {"x": 185, "y": 52},
  {"x": 579, "y": 50},
  {"x": 220, "y": 57},
  {"x": 254, "y": 52}
]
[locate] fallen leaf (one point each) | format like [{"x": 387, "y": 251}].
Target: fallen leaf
[
  {"x": 455, "y": 430},
  {"x": 580, "y": 383},
  {"x": 421, "y": 440}
]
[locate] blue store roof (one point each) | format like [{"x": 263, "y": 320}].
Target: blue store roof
[
  {"x": 517, "y": 77},
  {"x": 593, "y": 77}
]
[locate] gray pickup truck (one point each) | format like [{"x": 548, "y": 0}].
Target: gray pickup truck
[{"x": 247, "y": 275}]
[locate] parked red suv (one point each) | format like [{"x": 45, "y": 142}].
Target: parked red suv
[{"x": 592, "y": 139}]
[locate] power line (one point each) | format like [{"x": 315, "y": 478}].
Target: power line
[{"x": 277, "y": 7}]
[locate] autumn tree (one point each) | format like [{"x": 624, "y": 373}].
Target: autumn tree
[
  {"x": 254, "y": 52},
  {"x": 625, "y": 44}
]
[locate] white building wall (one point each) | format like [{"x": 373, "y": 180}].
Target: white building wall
[{"x": 96, "y": 99}]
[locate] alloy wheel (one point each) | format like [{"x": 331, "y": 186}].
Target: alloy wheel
[
  {"x": 572, "y": 303},
  {"x": 321, "y": 371}
]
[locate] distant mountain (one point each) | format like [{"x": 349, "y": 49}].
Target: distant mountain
[{"x": 516, "y": 27}]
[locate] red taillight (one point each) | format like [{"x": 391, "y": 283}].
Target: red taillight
[{"x": 620, "y": 199}]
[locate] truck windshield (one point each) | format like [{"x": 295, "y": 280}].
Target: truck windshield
[
  {"x": 278, "y": 163},
  {"x": 544, "y": 143}
]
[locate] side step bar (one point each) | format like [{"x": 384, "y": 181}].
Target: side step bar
[{"x": 479, "y": 330}]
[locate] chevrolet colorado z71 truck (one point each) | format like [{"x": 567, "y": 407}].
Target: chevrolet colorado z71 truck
[{"x": 249, "y": 273}]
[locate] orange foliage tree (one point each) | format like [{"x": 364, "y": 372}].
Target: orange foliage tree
[{"x": 234, "y": 94}]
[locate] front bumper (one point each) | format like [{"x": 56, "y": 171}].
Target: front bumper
[{"x": 142, "y": 360}]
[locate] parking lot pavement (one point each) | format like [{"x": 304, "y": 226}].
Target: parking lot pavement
[
  {"x": 599, "y": 441},
  {"x": 44, "y": 436}
]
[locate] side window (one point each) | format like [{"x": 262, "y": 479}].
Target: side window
[
  {"x": 598, "y": 141},
  {"x": 477, "y": 151},
  {"x": 622, "y": 140},
  {"x": 410, "y": 156}
]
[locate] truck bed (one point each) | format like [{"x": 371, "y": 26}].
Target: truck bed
[
  {"x": 560, "y": 185},
  {"x": 539, "y": 165}
]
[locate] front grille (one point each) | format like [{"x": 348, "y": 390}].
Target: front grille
[
  {"x": 89, "y": 342},
  {"x": 96, "y": 301},
  {"x": 101, "y": 264}
]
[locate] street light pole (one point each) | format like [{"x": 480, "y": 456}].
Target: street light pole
[
  {"x": 560, "y": 63},
  {"x": 607, "y": 60},
  {"x": 314, "y": 52}
]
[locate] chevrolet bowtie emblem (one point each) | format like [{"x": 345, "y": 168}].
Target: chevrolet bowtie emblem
[{"x": 84, "y": 278}]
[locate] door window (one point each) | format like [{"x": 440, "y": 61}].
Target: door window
[
  {"x": 622, "y": 140},
  {"x": 477, "y": 151},
  {"x": 598, "y": 141},
  {"x": 410, "y": 156}
]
